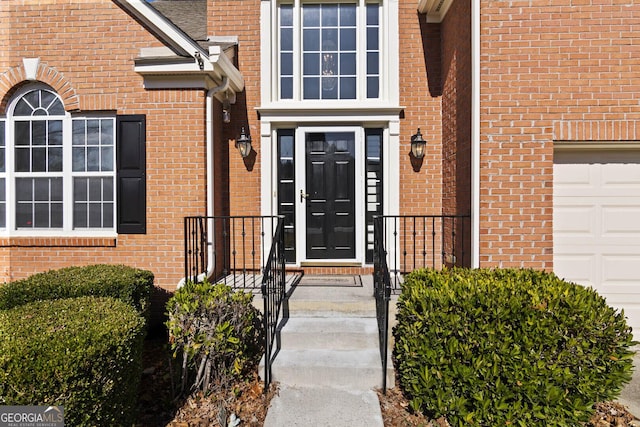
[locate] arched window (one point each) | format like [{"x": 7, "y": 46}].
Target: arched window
[{"x": 57, "y": 172}]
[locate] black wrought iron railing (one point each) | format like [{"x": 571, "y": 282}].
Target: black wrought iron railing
[
  {"x": 404, "y": 243},
  {"x": 244, "y": 252},
  {"x": 228, "y": 249},
  {"x": 273, "y": 292}
]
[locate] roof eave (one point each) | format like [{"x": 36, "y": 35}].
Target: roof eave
[{"x": 436, "y": 10}]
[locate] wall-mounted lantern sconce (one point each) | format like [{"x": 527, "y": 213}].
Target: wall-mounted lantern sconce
[
  {"x": 226, "y": 109},
  {"x": 417, "y": 145},
  {"x": 243, "y": 144}
]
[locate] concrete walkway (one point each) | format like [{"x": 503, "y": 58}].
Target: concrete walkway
[{"x": 630, "y": 395}]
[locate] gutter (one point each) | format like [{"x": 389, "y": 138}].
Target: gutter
[{"x": 475, "y": 134}]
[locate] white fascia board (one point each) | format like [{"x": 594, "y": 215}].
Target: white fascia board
[
  {"x": 436, "y": 10},
  {"x": 219, "y": 59},
  {"x": 329, "y": 115},
  {"x": 164, "y": 28}
]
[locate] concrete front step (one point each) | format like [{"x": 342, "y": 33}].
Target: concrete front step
[
  {"x": 336, "y": 333},
  {"x": 349, "y": 369}
]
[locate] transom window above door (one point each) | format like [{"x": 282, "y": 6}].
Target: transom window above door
[{"x": 329, "y": 51}]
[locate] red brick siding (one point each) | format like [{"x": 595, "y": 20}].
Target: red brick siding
[
  {"x": 542, "y": 63},
  {"x": 420, "y": 95},
  {"x": 86, "y": 51},
  {"x": 242, "y": 19}
]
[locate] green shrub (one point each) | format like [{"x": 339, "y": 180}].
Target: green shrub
[
  {"x": 130, "y": 285},
  {"x": 507, "y": 347},
  {"x": 82, "y": 353},
  {"x": 217, "y": 333}
]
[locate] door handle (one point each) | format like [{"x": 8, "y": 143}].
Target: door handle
[{"x": 303, "y": 195}]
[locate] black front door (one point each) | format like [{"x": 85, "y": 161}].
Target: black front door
[{"x": 330, "y": 195}]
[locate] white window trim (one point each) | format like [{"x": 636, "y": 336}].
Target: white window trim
[
  {"x": 67, "y": 175},
  {"x": 389, "y": 60}
]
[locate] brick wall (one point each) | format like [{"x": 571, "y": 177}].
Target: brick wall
[
  {"x": 544, "y": 65},
  {"x": 456, "y": 122},
  {"x": 420, "y": 95},
  {"x": 86, "y": 51},
  {"x": 242, "y": 19}
]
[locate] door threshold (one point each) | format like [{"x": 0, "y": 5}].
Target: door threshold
[{"x": 330, "y": 264}]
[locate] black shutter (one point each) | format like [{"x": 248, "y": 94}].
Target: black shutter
[{"x": 131, "y": 174}]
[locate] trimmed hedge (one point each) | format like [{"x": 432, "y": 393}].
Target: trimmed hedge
[
  {"x": 508, "y": 347},
  {"x": 130, "y": 285},
  {"x": 84, "y": 353}
]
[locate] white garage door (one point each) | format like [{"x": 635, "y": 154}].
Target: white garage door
[{"x": 596, "y": 224}]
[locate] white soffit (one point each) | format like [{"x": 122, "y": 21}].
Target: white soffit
[{"x": 436, "y": 10}]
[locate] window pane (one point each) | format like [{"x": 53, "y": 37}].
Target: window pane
[
  {"x": 2, "y": 160},
  {"x": 311, "y": 15},
  {"x": 41, "y": 215},
  {"x": 330, "y": 40},
  {"x": 347, "y": 39},
  {"x": 24, "y": 189},
  {"x": 286, "y": 88},
  {"x": 23, "y": 133},
  {"x": 95, "y": 215},
  {"x": 347, "y": 64},
  {"x": 311, "y": 40},
  {"x": 106, "y": 136},
  {"x": 56, "y": 215},
  {"x": 348, "y": 88},
  {"x": 286, "y": 39},
  {"x": 286, "y": 64},
  {"x": 93, "y": 159},
  {"x": 311, "y": 64},
  {"x": 348, "y": 15},
  {"x": 39, "y": 133},
  {"x": 55, "y": 132},
  {"x": 78, "y": 135},
  {"x": 329, "y": 88},
  {"x": 56, "y": 189},
  {"x": 24, "y": 214},
  {"x": 373, "y": 62},
  {"x": 80, "y": 211},
  {"x": 107, "y": 220},
  {"x": 373, "y": 87},
  {"x": 77, "y": 154},
  {"x": 106, "y": 159},
  {"x": 41, "y": 190},
  {"x": 107, "y": 189},
  {"x": 372, "y": 38},
  {"x": 3, "y": 204},
  {"x": 55, "y": 159},
  {"x": 46, "y": 99},
  {"x": 39, "y": 159},
  {"x": 286, "y": 15},
  {"x": 373, "y": 14},
  {"x": 95, "y": 189},
  {"x": 23, "y": 160},
  {"x": 311, "y": 88},
  {"x": 80, "y": 189},
  {"x": 22, "y": 108},
  {"x": 329, "y": 15}
]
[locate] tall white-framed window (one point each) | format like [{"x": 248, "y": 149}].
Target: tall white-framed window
[
  {"x": 57, "y": 172},
  {"x": 329, "y": 50}
]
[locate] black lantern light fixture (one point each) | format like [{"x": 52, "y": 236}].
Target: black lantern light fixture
[
  {"x": 243, "y": 144},
  {"x": 417, "y": 145}
]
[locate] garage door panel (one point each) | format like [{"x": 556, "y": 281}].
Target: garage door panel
[
  {"x": 575, "y": 220},
  {"x": 620, "y": 269},
  {"x": 575, "y": 267},
  {"x": 620, "y": 220},
  {"x": 597, "y": 224}
]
